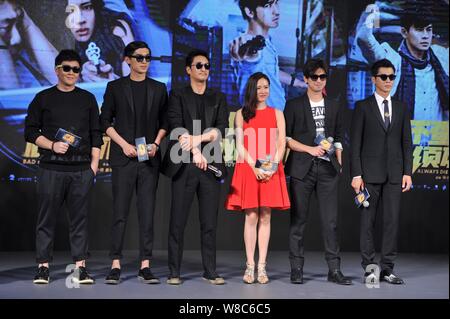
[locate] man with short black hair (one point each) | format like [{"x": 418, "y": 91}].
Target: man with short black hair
[
  {"x": 63, "y": 121},
  {"x": 198, "y": 117},
  {"x": 381, "y": 162},
  {"x": 134, "y": 107},
  {"x": 312, "y": 168}
]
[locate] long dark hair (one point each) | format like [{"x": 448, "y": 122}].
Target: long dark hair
[
  {"x": 111, "y": 45},
  {"x": 251, "y": 98}
]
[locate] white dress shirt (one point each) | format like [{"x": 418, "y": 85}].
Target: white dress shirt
[{"x": 380, "y": 104}]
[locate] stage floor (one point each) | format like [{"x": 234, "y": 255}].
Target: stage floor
[{"x": 426, "y": 276}]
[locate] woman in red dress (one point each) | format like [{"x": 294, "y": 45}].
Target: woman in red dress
[{"x": 258, "y": 183}]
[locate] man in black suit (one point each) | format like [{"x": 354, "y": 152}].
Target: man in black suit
[
  {"x": 197, "y": 118},
  {"x": 381, "y": 161},
  {"x": 312, "y": 168},
  {"x": 133, "y": 107}
]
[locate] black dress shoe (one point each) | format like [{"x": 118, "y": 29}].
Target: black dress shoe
[
  {"x": 297, "y": 275},
  {"x": 145, "y": 275},
  {"x": 390, "y": 277},
  {"x": 337, "y": 277},
  {"x": 113, "y": 277}
]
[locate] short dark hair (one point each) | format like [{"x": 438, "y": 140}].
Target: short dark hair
[
  {"x": 133, "y": 46},
  {"x": 418, "y": 16},
  {"x": 312, "y": 65},
  {"x": 191, "y": 56},
  {"x": 252, "y": 5},
  {"x": 67, "y": 55},
  {"x": 384, "y": 63}
]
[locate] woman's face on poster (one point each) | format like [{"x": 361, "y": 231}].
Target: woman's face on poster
[{"x": 81, "y": 19}]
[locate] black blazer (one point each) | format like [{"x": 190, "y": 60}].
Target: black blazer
[
  {"x": 377, "y": 154},
  {"x": 181, "y": 112},
  {"x": 301, "y": 127},
  {"x": 118, "y": 111}
]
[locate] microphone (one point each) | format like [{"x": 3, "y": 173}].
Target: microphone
[
  {"x": 325, "y": 143},
  {"x": 217, "y": 172},
  {"x": 361, "y": 199}
]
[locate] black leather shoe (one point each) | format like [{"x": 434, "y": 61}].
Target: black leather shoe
[
  {"x": 337, "y": 277},
  {"x": 297, "y": 275},
  {"x": 113, "y": 277},
  {"x": 390, "y": 277},
  {"x": 145, "y": 275}
]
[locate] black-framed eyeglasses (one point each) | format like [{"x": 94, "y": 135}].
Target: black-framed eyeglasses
[
  {"x": 384, "y": 77},
  {"x": 200, "y": 65},
  {"x": 141, "y": 58},
  {"x": 315, "y": 77},
  {"x": 68, "y": 68}
]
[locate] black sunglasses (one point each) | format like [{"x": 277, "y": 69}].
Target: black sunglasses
[
  {"x": 68, "y": 68},
  {"x": 200, "y": 65},
  {"x": 315, "y": 77},
  {"x": 140, "y": 58},
  {"x": 384, "y": 77}
]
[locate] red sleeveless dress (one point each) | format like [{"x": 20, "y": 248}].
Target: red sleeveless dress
[{"x": 260, "y": 136}]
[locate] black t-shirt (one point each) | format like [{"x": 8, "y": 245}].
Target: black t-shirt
[
  {"x": 139, "y": 91},
  {"x": 75, "y": 111},
  {"x": 200, "y": 105}
]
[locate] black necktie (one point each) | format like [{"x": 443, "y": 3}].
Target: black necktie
[{"x": 387, "y": 120}]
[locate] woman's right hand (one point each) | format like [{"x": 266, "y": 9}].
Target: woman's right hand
[{"x": 260, "y": 176}]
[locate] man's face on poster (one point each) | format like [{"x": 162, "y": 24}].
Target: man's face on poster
[
  {"x": 268, "y": 16},
  {"x": 9, "y": 14},
  {"x": 81, "y": 19},
  {"x": 419, "y": 37}
]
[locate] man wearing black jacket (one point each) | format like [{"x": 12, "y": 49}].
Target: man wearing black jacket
[
  {"x": 134, "y": 107},
  {"x": 68, "y": 162},
  {"x": 381, "y": 161},
  {"x": 198, "y": 117},
  {"x": 312, "y": 168}
]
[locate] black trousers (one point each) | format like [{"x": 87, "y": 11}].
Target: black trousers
[
  {"x": 323, "y": 179},
  {"x": 54, "y": 189},
  {"x": 389, "y": 196},
  {"x": 188, "y": 182},
  {"x": 127, "y": 179}
]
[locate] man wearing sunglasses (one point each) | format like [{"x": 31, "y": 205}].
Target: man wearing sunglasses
[
  {"x": 198, "y": 117},
  {"x": 381, "y": 162},
  {"x": 66, "y": 172},
  {"x": 312, "y": 168},
  {"x": 134, "y": 107}
]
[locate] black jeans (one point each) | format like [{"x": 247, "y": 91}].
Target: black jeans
[
  {"x": 143, "y": 179},
  {"x": 54, "y": 188},
  {"x": 188, "y": 182},
  {"x": 323, "y": 179}
]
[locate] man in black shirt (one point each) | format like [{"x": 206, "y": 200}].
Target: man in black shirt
[
  {"x": 68, "y": 162},
  {"x": 197, "y": 117},
  {"x": 134, "y": 107}
]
